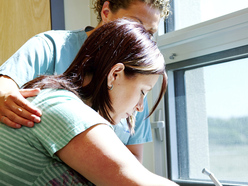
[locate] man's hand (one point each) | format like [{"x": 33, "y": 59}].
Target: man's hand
[{"x": 15, "y": 110}]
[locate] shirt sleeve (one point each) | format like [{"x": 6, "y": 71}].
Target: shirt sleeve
[
  {"x": 47, "y": 53},
  {"x": 143, "y": 132},
  {"x": 35, "y": 57}
]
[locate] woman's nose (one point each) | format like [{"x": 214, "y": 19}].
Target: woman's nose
[{"x": 140, "y": 106}]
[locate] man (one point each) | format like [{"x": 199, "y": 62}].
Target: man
[{"x": 53, "y": 51}]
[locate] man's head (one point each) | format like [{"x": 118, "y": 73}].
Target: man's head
[{"x": 147, "y": 12}]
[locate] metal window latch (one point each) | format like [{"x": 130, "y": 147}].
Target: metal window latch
[{"x": 158, "y": 126}]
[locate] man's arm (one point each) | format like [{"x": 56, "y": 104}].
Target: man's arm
[
  {"x": 15, "y": 110},
  {"x": 35, "y": 57}
]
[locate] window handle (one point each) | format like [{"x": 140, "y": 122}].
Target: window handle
[
  {"x": 212, "y": 177},
  {"x": 158, "y": 126}
]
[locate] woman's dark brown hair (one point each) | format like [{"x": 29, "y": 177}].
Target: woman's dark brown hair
[{"x": 120, "y": 41}]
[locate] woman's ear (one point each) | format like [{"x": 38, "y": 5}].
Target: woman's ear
[
  {"x": 105, "y": 12},
  {"x": 116, "y": 71}
]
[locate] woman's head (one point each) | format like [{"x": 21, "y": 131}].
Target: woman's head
[
  {"x": 119, "y": 49},
  {"x": 128, "y": 92}
]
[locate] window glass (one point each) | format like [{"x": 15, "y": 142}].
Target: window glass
[
  {"x": 190, "y": 12},
  {"x": 226, "y": 90},
  {"x": 212, "y": 121}
]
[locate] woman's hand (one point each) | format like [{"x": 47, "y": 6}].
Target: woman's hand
[{"x": 15, "y": 110}]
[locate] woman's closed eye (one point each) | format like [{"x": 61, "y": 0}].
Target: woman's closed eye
[{"x": 143, "y": 93}]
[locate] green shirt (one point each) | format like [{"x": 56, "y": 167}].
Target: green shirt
[{"x": 27, "y": 156}]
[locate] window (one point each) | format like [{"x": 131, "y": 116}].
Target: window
[
  {"x": 206, "y": 104},
  {"x": 191, "y": 12},
  {"x": 185, "y": 13},
  {"x": 211, "y": 114}
]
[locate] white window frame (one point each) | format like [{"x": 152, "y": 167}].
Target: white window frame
[
  {"x": 222, "y": 33},
  {"x": 216, "y": 35}
]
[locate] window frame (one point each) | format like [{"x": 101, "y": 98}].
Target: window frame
[
  {"x": 172, "y": 122},
  {"x": 205, "y": 38},
  {"x": 57, "y": 15},
  {"x": 206, "y": 43}
]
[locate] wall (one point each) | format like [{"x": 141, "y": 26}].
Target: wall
[
  {"x": 79, "y": 14},
  {"x": 20, "y": 20}
]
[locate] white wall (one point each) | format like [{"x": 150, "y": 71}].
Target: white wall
[{"x": 79, "y": 14}]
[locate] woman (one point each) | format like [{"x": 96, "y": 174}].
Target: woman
[{"x": 75, "y": 142}]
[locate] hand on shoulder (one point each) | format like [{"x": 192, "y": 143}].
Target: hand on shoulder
[{"x": 15, "y": 110}]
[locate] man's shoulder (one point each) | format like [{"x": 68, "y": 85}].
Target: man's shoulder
[{"x": 64, "y": 36}]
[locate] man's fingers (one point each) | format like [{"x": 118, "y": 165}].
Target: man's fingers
[
  {"x": 15, "y": 116},
  {"x": 29, "y": 92},
  {"x": 19, "y": 111},
  {"x": 23, "y": 103},
  {"x": 22, "y": 108},
  {"x": 15, "y": 110},
  {"x": 10, "y": 121},
  {"x": 11, "y": 124}
]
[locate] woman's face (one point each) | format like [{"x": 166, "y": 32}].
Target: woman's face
[{"x": 128, "y": 94}]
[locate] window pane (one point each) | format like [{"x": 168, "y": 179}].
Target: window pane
[
  {"x": 212, "y": 121},
  {"x": 190, "y": 12},
  {"x": 227, "y": 112}
]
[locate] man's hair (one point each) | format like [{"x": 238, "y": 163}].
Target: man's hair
[
  {"x": 120, "y": 41},
  {"x": 115, "y": 5}
]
